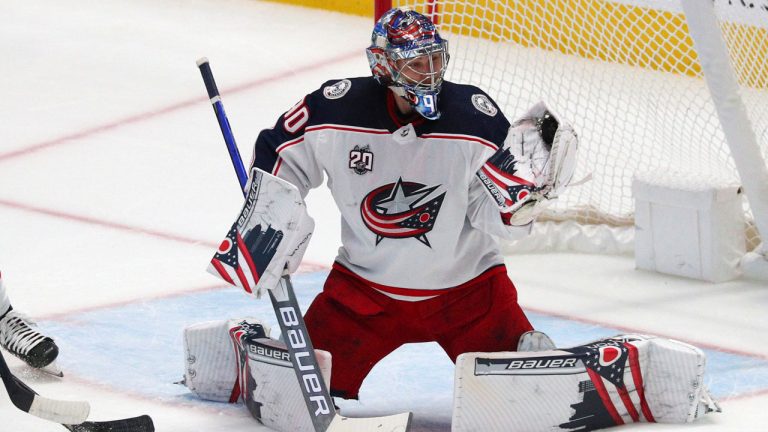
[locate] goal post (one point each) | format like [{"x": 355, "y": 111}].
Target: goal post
[
  {"x": 637, "y": 85},
  {"x": 740, "y": 136}
]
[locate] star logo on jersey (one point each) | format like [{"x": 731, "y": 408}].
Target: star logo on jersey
[{"x": 401, "y": 210}]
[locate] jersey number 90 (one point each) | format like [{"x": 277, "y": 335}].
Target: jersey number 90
[{"x": 296, "y": 118}]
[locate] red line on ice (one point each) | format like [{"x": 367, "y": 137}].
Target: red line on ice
[{"x": 151, "y": 114}]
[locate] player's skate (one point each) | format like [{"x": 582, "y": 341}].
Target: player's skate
[
  {"x": 535, "y": 340},
  {"x": 19, "y": 337}
]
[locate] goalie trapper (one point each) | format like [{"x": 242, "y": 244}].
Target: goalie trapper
[{"x": 536, "y": 164}]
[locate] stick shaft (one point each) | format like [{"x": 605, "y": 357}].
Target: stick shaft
[
  {"x": 313, "y": 388},
  {"x": 221, "y": 116}
]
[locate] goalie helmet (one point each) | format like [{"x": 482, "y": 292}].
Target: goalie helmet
[{"x": 408, "y": 55}]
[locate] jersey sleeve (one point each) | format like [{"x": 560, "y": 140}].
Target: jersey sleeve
[
  {"x": 286, "y": 151},
  {"x": 489, "y": 123}
]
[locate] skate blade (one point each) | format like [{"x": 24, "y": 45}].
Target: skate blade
[{"x": 52, "y": 369}]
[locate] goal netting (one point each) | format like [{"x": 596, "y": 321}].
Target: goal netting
[{"x": 626, "y": 75}]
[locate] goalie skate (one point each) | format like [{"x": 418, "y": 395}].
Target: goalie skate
[
  {"x": 19, "y": 337},
  {"x": 535, "y": 340}
]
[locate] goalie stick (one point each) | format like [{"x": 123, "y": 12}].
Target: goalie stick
[
  {"x": 71, "y": 414},
  {"x": 316, "y": 396}
]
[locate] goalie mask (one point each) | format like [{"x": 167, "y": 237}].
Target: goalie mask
[{"x": 408, "y": 55}]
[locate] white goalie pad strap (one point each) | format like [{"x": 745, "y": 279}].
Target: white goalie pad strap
[
  {"x": 211, "y": 358},
  {"x": 614, "y": 381},
  {"x": 271, "y": 389},
  {"x": 271, "y": 232}
]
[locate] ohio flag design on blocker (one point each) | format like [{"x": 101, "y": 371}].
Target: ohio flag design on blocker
[
  {"x": 272, "y": 227},
  {"x": 235, "y": 263}
]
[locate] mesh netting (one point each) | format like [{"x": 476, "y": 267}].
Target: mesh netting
[{"x": 627, "y": 78}]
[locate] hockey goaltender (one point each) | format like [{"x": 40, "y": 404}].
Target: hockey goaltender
[{"x": 427, "y": 175}]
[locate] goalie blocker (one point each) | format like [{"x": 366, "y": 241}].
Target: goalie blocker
[
  {"x": 268, "y": 238},
  {"x": 614, "y": 381}
]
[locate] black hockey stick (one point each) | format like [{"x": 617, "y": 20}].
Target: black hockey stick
[
  {"x": 134, "y": 424},
  {"x": 300, "y": 348},
  {"x": 71, "y": 414}
]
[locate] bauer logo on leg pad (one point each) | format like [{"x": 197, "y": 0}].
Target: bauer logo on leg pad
[
  {"x": 269, "y": 351},
  {"x": 545, "y": 365}
]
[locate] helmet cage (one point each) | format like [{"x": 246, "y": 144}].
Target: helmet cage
[{"x": 431, "y": 63}]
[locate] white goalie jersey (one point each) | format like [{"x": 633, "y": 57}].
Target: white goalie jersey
[{"x": 415, "y": 219}]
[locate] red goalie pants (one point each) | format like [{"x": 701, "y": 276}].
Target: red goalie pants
[{"x": 359, "y": 326}]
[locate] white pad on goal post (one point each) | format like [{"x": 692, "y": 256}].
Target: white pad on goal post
[
  {"x": 609, "y": 382},
  {"x": 271, "y": 232}
]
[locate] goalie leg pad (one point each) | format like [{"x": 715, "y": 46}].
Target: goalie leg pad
[
  {"x": 231, "y": 360},
  {"x": 614, "y": 381},
  {"x": 270, "y": 389},
  {"x": 211, "y": 357}
]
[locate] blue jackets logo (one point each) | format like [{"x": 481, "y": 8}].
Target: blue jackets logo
[{"x": 401, "y": 210}]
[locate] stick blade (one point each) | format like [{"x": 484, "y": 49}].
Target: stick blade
[
  {"x": 133, "y": 424},
  {"x": 66, "y": 412},
  {"x": 391, "y": 423}
]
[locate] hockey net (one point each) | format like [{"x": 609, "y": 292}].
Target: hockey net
[{"x": 624, "y": 73}]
